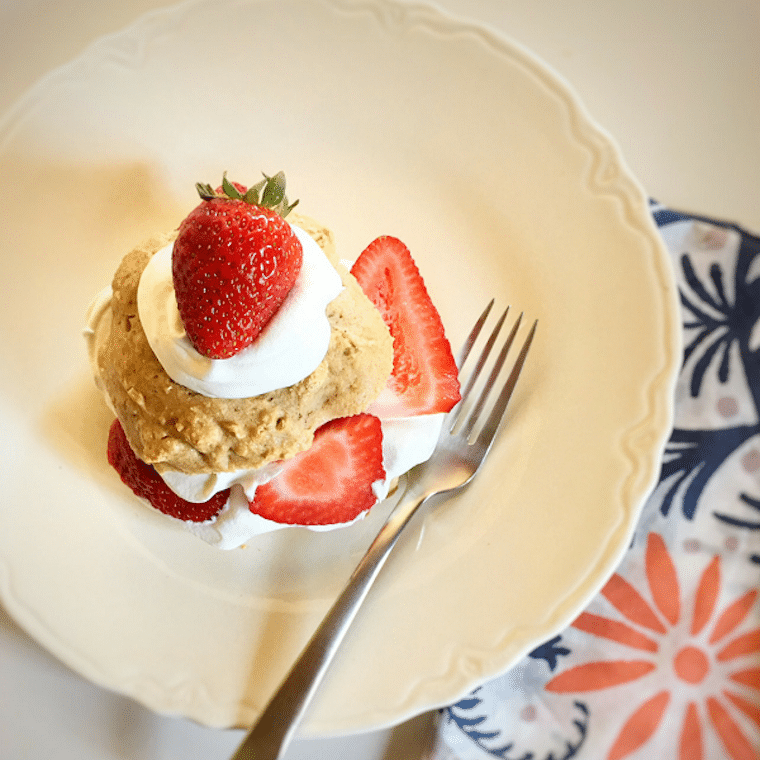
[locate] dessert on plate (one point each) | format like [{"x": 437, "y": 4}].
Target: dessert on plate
[{"x": 257, "y": 383}]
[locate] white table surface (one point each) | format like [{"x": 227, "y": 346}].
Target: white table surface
[{"x": 677, "y": 85}]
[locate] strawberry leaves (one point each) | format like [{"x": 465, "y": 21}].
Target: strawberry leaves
[{"x": 269, "y": 193}]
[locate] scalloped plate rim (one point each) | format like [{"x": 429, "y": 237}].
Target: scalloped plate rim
[{"x": 644, "y": 452}]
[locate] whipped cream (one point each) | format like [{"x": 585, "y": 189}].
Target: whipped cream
[
  {"x": 407, "y": 442},
  {"x": 236, "y": 524},
  {"x": 96, "y": 330},
  {"x": 289, "y": 348}
]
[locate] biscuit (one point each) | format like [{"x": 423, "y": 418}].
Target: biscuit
[{"x": 175, "y": 428}]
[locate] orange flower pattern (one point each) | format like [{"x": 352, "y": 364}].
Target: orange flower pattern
[{"x": 713, "y": 650}]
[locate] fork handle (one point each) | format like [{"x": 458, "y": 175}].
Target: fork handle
[{"x": 276, "y": 726}]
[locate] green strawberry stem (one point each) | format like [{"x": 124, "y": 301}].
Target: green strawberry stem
[{"x": 269, "y": 192}]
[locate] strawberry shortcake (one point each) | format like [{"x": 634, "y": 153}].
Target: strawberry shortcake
[{"x": 256, "y": 382}]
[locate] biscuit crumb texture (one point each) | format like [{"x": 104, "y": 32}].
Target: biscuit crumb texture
[{"x": 174, "y": 428}]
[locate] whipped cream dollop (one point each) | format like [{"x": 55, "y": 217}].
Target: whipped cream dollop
[{"x": 289, "y": 348}]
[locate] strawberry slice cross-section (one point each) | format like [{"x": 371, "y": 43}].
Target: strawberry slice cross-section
[
  {"x": 424, "y": 377},
  {"x": 330, "y": 482}
]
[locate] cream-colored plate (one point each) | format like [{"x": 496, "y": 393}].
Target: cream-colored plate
[{"x": 387, "y": 118}]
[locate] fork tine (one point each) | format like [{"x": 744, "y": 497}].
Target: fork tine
[
  {"x": 459, "y": 410},
  {"x": 493, "y": 423},
  {"x": 473, "y": 336},
  {"x": 498, "y": 364}
]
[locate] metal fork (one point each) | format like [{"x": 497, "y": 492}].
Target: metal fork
[{"x": 459, "y": 453}]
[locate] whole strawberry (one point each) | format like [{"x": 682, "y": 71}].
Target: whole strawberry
[{"x": 235, "y": 260}]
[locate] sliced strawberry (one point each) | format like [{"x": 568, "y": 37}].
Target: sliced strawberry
[
  {"x": 331, "y": 482},
  {"x": 146, "y": 483},
  {"x": 424, "y": 378}
]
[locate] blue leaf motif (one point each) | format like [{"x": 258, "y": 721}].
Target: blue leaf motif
[
  {"x": 469, "y": 724},
  {"x": 738, "y": 522},
  {"x": 713, "y": 325},
  {"x": 713, "y": 333},
  {"x": 550, "y": 652},
  {"x": 692, "y": 457}
]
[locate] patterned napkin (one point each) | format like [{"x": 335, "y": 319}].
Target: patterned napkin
[{"x": 665, "y": 661}]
